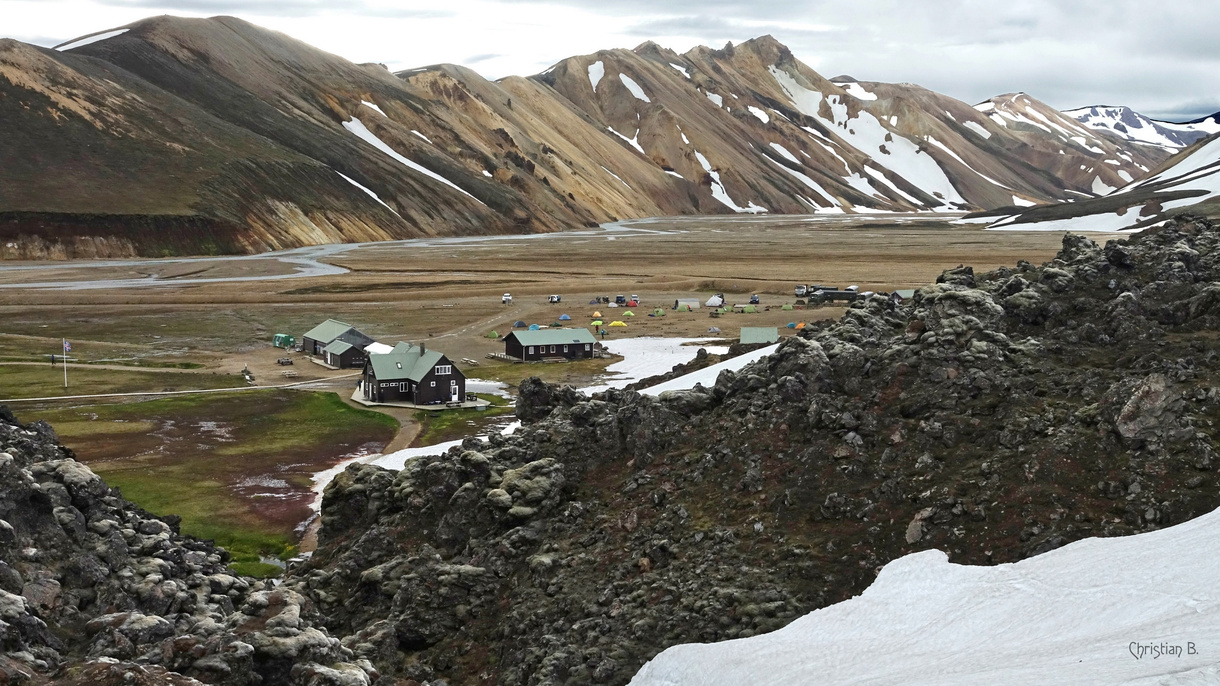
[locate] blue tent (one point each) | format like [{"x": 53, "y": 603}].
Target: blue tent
[
  {"x": 791, "y": 325},
  {"x": 564, "y": 318},
  {"x": 518, "y": 324},
  {"x": 534, "y": 327}
]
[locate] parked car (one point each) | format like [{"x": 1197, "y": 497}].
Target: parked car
[
  {"x": 554, "y": 299},
  {"x": 753, "y": 299},
  {"x": 507, "y": 299},
  {"x": 620, "y": 300},
  {"x": 801, "y": 290}
]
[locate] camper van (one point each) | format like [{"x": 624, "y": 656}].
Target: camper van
[
  {"x": 507, "y": 299},
  {"x": 554, "y": 299},
  {"x": 801, "y": 290}
]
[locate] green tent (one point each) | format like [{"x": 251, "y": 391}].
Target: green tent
[
  {"x": 628, "y": 313},
  {"x": 596, "y": 322},
  {"x": 684, "y": 308},
  {"x": 658, "y": 312},
  {"x": 786, "y": 307},
  {"x": 749, "y": 308},
  {"x": 493, "y": 334}
]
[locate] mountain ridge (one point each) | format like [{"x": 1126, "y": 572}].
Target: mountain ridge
[{"x": 277, "y": 144}]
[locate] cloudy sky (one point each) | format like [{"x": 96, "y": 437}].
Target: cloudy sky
[{"x": 1160, "y": 58}]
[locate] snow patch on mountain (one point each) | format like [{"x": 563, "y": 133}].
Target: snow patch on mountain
[
  {"x": 857, "y": 91},
  {"x": 1093, "y": 612},
  {"x": 681, "y": 69},
  {"x": 89, "y": 40},
  {"x": 977, "y": 128},
  {"x": 374, "y": 107},
  {"x": 633, "y": 142},
  {"x": 633, "y": 87},
  {"x": 617, "y": 177},
  {"x": 715, "y": 98},
  {"x": 358, "y": 128},
  {"x": 1100, "y": 187},
  {"x": 762, "y": 116},
  {"x": 865, "y": 132},
  {"x": 784, "y": 153},
  {"x": 596, "y": 71},
  {"x": 371, "y": 194},
  {"x": 811, "y": 184},
  {"x": 719, "y": 192},
  {"x": 429, "y": 140}
]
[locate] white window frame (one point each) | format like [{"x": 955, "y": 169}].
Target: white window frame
[
  {"x": 552, "y": 348},
  {"x": 588, "y": 347},
  {"x": 433, "y": 384},
  {"x": 531, "y": 351},
  {"x": 565, "y": 348},
  {"x": 444, "y": 369}
]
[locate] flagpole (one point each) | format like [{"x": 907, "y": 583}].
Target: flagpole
[{"x": 65, "y": 341}]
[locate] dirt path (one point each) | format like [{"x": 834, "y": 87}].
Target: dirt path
[{"x": 408, "y": 428}]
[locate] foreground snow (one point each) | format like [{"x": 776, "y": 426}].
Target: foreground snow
[
  {"x": 648, "y": 356},
  {"x": 707, "y": 376},
  {"x": 1117, "y": 611}
]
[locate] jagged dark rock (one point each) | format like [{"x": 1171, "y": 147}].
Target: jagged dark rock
[
  {"x": 94, "y": 590},
  {"x": 995, "y": 417}
]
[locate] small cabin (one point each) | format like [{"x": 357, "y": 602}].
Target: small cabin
[
  {"x": 412, "y": 374},
  {"x": 550, "y": 344},
  {"x": 315, "y": 340}
]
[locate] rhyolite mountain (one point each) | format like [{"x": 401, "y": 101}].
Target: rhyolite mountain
[
  {"x": 1141, "y": 130},
  {"x": 172, "y": 136}
]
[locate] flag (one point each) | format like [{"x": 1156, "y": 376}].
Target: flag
[{"x": 67, "y": 346}]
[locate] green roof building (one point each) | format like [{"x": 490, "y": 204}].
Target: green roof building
[
  {"x": 550, "y": 344},
  {"x": 412, "y": 374}
]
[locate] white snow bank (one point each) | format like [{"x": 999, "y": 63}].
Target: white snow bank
[
  {"x": 719, "y": 192},
  {"x": 633, "y": 87},
  {"x": 616, "y": 175},
  {"x": 373, "y": 106},
  {"x": 634, "y": 142},
  {"x": 1101, "y": 187},
  {"x": 857, "y": 91},
  {"x": 707, "y": 376},
  {"x": 87, "y": 40},
  {"x": 1136, "y": 610},
  {"x": 429, "y": 140},
  {"x": 1107, "y": 223},
  {"x": 762, "y": 116},
  {"x": 977, "y": 128},
  {"x": 715, "y": 98},
  {"x": 371, "y": 195},
  {"x": 359, "y": 129},
  {"x": 681, "y": 69},
  {"x": 596, "y": 71},
  {"x": 1022, "y": 202},
  {"x": 648, "y": 356}
]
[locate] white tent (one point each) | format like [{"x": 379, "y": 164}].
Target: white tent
[
  {"x": 714, "y": 301},
  {"x": 378, "y": 349}
]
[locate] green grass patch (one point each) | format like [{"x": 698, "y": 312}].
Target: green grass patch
[
  {"x": 261, "y": 570},
  {"x": 235, "y": 466},
  {"x": 37, "y": 381},
  {"x": 449, "y": 425}
]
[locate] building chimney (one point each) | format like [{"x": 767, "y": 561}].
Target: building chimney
[{"x": 422, "y": 349}]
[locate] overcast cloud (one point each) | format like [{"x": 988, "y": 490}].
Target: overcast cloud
[{"x": 1160, "y": 58}]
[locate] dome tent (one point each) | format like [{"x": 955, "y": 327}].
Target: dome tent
[
  {"x": 519, "y": 324},
  {"x": 493, "y": 334},
  {"x": 596, "y": 322},
  {"x": 597, "y": 315},
  {"x": 564, "y": 318},
  {"x": 628, "y": 313},
  {"x": 535, "y": 327},
  {"x": 617, "y": 323}
]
